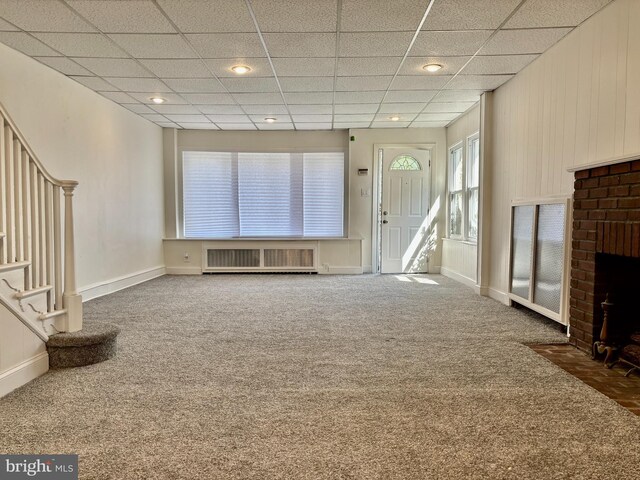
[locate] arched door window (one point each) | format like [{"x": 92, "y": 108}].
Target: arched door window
[{"x": 405, "y": 162}]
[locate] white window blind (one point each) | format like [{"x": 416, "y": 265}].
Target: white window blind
[{"x": 263, "y": 194}]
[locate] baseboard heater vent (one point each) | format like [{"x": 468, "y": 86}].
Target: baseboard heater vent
[{"x": 290, "y": 259}]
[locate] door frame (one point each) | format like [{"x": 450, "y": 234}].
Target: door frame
[{"x": 376, "y": 197}]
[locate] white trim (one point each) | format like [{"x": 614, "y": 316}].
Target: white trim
[
  {"x": 183, "y": 271},
  {"x": 447, "y": 272},
  {"x": 483, "y": 291},
  {"x": 605, "y": 163},
  {"x": 341, "y": 271},
  {"x": 502, "y": 297},
  {"x": 436, "y": 269},
  {"x": 120, "y": 283},
  {"x": 23, "y": 373}
]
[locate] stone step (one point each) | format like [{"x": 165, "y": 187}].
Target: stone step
[{"x": 95, "y": 343}]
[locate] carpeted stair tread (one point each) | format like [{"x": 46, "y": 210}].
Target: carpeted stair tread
[{"x": 91, "y": 334}]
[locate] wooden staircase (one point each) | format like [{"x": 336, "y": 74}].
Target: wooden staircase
[{"x": 37, "y": 254}]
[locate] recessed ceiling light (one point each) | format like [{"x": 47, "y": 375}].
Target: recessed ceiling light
[
  {"x": 395, "y": 118},
  {"x": 157, "y": 100},
  {"x": 432, "y": 67},
  {"x": 270, "y": 119},
  {"x": 240, "y": 69}
]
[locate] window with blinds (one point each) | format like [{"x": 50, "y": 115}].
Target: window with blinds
[{"x": 231, "y": 194}]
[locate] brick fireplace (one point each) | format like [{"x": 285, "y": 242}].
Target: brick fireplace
[{"x": 605, "y": 249}]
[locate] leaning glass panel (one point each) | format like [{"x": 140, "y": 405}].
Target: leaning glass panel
[
  {"x": 549, "y": 256},
  {"x": 521, "y": 254}
]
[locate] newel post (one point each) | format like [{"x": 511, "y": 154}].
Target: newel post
[{"x": 70, "y": 298}]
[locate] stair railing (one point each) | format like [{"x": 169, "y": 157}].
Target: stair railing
[{"x": 31, "y": 235}]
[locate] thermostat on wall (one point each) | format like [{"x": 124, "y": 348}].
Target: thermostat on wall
[{"x": 363, "y": 171}]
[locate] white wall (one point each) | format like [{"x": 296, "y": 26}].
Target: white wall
[
  {"x": 114, "y": 154},
  {"x": 459, "y": 257},
  {"x": 577, "y": 104},
  {"x": 363, "y": 154}
]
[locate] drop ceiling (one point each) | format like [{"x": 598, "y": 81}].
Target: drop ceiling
[{"x": 315, "y": 64}]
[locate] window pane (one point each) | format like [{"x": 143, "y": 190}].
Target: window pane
[
  {"x": 405, "y": 162},
  {"x": 521, "y": 239},
  {"x": 270, "y": 194},
  {"x": 210, "y": 197},
  {"x": 473, "y": 213},
  {"x": 473, "y": 168},
  {"x": 323, "y": 194},
  {"x": 455, "y": 171},
  {"x": 455, "y": 214},
  {"x": 549, "y": 256}
]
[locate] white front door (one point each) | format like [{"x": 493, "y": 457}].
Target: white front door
[{"x": 404, "y": 209}]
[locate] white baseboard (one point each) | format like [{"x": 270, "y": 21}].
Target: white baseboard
[
  {"x": 436, "y": 269},
  {"x": 23, "y": 373},
  {"x": 367, "y": 269},
  {"x": 341, "y": 271},
  {"x": 111, "y": 286},
  {"x": 502, "y": 297},
  {"x": 484, "y": 291},
  {"x": 184, "y": 270},
  {"x": 469, "y": 282}
]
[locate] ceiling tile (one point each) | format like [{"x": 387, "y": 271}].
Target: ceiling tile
[
  {"x": 311, "y": 118},
  {"x": 95, "y": 83},
  {"x": 188, "y": 118},
  {"x": 229, "y": 118},
  {"x": 177, "y": 68},
  {"x": 359, "y": 97},
  {"x": 357, "y": 66},
  {"x": 307, "y": 67},
  {"x": 458, "y": 96},
  {"x": 301, "y": 44},
  {"x": 198, "y": 126},
  {"x": 414, "y": 82},
  {"x": 153, "y": 117},
  {"x": 386, "y": 117},
  {"x": 265, "y": 109},
  {"x": 258, "y": 98},
  {"x": 220, "y": 109},
  {"x": 280, "y": 118},
  {"x": 226, "y": 45},
  {"x": 477, "y": 82},
  {"x": 499, "y": 64},
  {"x": 354, "y": 108},
  {"x": 309, "y": 98},
  {"x": 450, "y": 65},
  {"x": 209, "y": 98},
  {"x": 166, "y": 124},
  {"x": 396, "y": 15},
  {"x": 115, "y": 16},
  {"x": 7, "y": 27},
  {"x": 354, "y": 118},
  {"x": 390, "y": 124},
  {"x": 137, "y": 108},
  {"x": 448, "y": 107},
  {"x": 411, "y": 96},
  {"x": 445, "y": 117},
  {"x": 376, "y": 44},
  {"x": 63, "y": 65},
  {"x": 119, "y": 97},
  {"x": 205, "y": 16},
  {"x": 401, "y": 107},
  {"x": 248, "y": 84},
  {"x": 275, "y": 126},
  {"x": 145, "y": 97},
  {"x": 445, "y": 44},
  {"x": 311, "y": 109},
  {"x": 314, "y": 126},
  {"x": 114, "y": 67},
  {"x": 154, "y": 45},
  {"x": 534, "y": 40},
  {"x": 26, "y": 44},
  {"x": 466, "y": 15},
  {"x": 39, "y": 16},
  {"x": 554, "y": 13},
  {"x": 81, "y": 44},
  {"x": 237, "y": 126},
  {"x": 194, "y": 85},
  {"x": 428, "y": 124},
  {"x": 307, "y": 84},
  {"x": 176, "y": 109},
  {"x": 139, "y": 84},
  {"x": 221, "y": 67},
  {"x": 354, "y": 84},
  {"x": 343, "y": 125},
  {"x": 297, "y": 16}
]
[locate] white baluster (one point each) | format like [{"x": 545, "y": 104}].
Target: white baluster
[
  {"x": 26, "y": 220},
  {"x": 72, "y": 301},
  {"x": 57, "y": 245},
  {"x": 19, "y": 226},
  {"x": 35, "y": 227}
]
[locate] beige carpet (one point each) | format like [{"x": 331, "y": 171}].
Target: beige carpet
[{"x": 321, "y": 377}]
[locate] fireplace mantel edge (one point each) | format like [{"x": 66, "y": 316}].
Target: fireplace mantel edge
[{"x": 605, "y": 163}]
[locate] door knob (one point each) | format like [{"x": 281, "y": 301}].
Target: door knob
[
  {"x": 385, "y": 221},
  {"x": 385, "y": 212}
]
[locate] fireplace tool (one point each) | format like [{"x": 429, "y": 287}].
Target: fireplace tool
[{"x": 605, "y": 344}]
